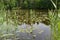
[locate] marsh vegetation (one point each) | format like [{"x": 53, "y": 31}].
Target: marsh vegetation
[{"x": 29, "y": 20}]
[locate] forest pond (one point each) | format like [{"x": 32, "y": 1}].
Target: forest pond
[{"x": 25, "y": 32}]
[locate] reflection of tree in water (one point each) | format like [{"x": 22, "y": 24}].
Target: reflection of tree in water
[
  {"x": 29, "y": 16},
  {"x": 40, "y": 31}
]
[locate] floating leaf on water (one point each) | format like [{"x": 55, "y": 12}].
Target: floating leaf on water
[
  {"x": 22, "y": 30},
  {"x": 6, "y": 35},
  {"x": 27, "y": 31},
  {"x": 41, "y": 31},
  {"x": 34, "y": 35}
]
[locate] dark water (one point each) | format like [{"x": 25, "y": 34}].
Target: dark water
[{"x": 40, "y": 32}]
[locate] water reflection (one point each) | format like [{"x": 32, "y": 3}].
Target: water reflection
[
  {"x": 40, "y": 32},
  {"x": 24, "y": 32}
]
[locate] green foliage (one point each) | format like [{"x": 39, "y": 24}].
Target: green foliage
[
  {"x": 6, "y": 29},
  {"x": 1, "y": 5},
  {"x": 55, "y": 25},
  {"x": 34, "y": 4}
]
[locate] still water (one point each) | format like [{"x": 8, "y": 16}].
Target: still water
[{"x": 40, "y": 32}]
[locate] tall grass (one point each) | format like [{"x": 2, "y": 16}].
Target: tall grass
[{"x": 55, "y": 23}]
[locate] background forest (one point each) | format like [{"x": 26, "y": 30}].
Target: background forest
[{"x": 27, "y": 4}]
